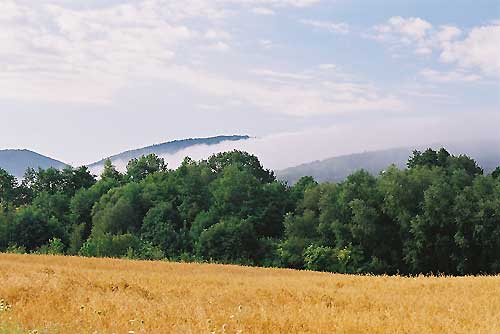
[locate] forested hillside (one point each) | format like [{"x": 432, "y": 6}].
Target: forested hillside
[
  {"x": 441, "y": 214},
  {"x": 336, "y": 169},
  {"x": 166, "y": 148},
  {"x": 16, "y": 162}
]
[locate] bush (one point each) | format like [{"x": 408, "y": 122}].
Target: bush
[
  {"x": 109, "y": 245},
  {"x": 56, "y": 247},
  {"x": 15, "y": 249},
  {"x": 146, "y": 251},
  {"x": 123, "y": 245},
  {"x": 268, "y": 255},
  {"x": 230, "y": 240},
  {"x": 31, "y": 230},
  {"x": 321, "y": 258}
]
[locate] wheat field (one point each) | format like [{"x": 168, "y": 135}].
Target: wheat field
[{"x": 50, "y": 294}]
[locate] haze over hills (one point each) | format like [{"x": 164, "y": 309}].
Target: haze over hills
[
  {"x": 335, "y": 169},
  {"x": 167, "y": 148},
  {"x": 16, "y": 162}
]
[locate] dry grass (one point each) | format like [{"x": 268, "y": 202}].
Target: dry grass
[{"x": 77, "y": 295}]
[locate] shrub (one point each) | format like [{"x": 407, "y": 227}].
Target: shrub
[
  {"x": 145, "y": 251},
  {"x": 321, "y": 258},
  {"x": 15, "y": 249},
  {"x": 123, "y": 245},
  {"x": 109, "y": 245},
  {"x": 230, "y": 240},
  {"x": 55, "y": 247}
]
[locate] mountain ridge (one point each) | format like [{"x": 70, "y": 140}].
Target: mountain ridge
[
  {"x": 168, "y": 147},
  {"x": 333, "y": 169},
  {"x": 336, "y": 169},
  {"x": 17, "y": 161}
]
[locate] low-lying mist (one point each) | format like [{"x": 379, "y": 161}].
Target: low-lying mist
[{"x": 284, "y": 150}]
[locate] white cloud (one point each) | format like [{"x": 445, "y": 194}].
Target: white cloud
[
  {"x": 339, "y": 28},
  {"x": 297, "y": 3},
  {"x": 266, "y": 44},
  {"x": 452, "y": 76},
  {"x": 279, "y": 3},
  {"x": 61, "y": 54},
  {"x": 281, "y": 75},
  {"x": 289, "y": 96},
  {"x": 219, "y": 46},
  {"x": 327, "y": 66},
  {"x": 217, "y": 34},
  {"x": 11, "y": 11},
  {"x": 478, "y": 50},
  {"x": 399, "y": 31},
  {"x": 263, "y": 11},
  {"x": 447, "y": 34},
  {"x": 413, "y": 27},
  {"x": 85, "y": 51}
]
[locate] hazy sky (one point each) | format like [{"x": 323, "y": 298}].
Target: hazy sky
[{"x": 81, "y": 80}]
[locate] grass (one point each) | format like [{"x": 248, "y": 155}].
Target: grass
[{"x": 53, "y": 294}]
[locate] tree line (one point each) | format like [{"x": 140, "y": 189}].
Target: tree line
[{"x": 439, "y": 215}]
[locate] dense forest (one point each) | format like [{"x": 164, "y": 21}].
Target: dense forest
[{"x": 439, "y": 215}]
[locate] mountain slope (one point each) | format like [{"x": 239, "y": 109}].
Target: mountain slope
[
  {"x": 17, "y": 161},
  {"x": 166, "y": 148},
  {"x": 336, "y": 169}
]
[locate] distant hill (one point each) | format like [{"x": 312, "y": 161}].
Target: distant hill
[
  {"x": 16, "y": 162},
  {"x": 170, "y": 147},
  {"x": 336, "y": 169}
]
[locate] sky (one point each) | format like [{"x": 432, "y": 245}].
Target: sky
[{"x": 308, "y": 79}]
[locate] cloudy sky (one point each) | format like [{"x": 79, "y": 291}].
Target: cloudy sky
[{"x": 81, "y": 80}]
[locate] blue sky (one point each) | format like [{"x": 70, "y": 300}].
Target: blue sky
[{"x": 310, "y": 78}]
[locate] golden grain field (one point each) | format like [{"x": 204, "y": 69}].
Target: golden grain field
[{"x": 49, "y": 294}]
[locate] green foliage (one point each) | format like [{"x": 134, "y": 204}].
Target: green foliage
[
  {"x": 8, "y": 184},
  {"x": 440, "y": 215},
  {"x": 51, "y": 180},
  {"x": 241, "y": 160},
  {"x": 321, "y": 258},
  {"x": 110, "y": 173},
  {"x": 230, "y": 240},
  {"x": 109, "y": 245},
  {"x": 496, "y": 173},
  {"x": 119, "y": 211},
  {"x": 81, "y": 206},
  {"x": 6, "y": 218},
  {"x": 301, "y": 230},
  {"x": 346, "y": 260},
  {"x": 119, "y": 246},
  {"x": 76, "y": 239},
  {"x": 139, "y": 169},
  {"x": 443, "y": 159},
  {"x": 146, "y": 251},
  {"x": 55, "y": 247},
  {"x": 235, "y": 192},
  {"x": 15, "y": 249},
  {"x": 163, "y": 227},
  {"x": 31, "y": 229},
  {"x": 429, "y": 158}
]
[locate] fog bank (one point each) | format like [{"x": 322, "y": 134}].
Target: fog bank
[{"x": 284, "y": 150}]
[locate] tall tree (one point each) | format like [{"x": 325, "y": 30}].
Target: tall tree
[
  {"x": 138, "y": 169},
  {"x": 8, "y": 185}
]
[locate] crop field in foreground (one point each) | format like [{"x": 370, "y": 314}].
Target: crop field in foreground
[{"x": 49, "y": 294}]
